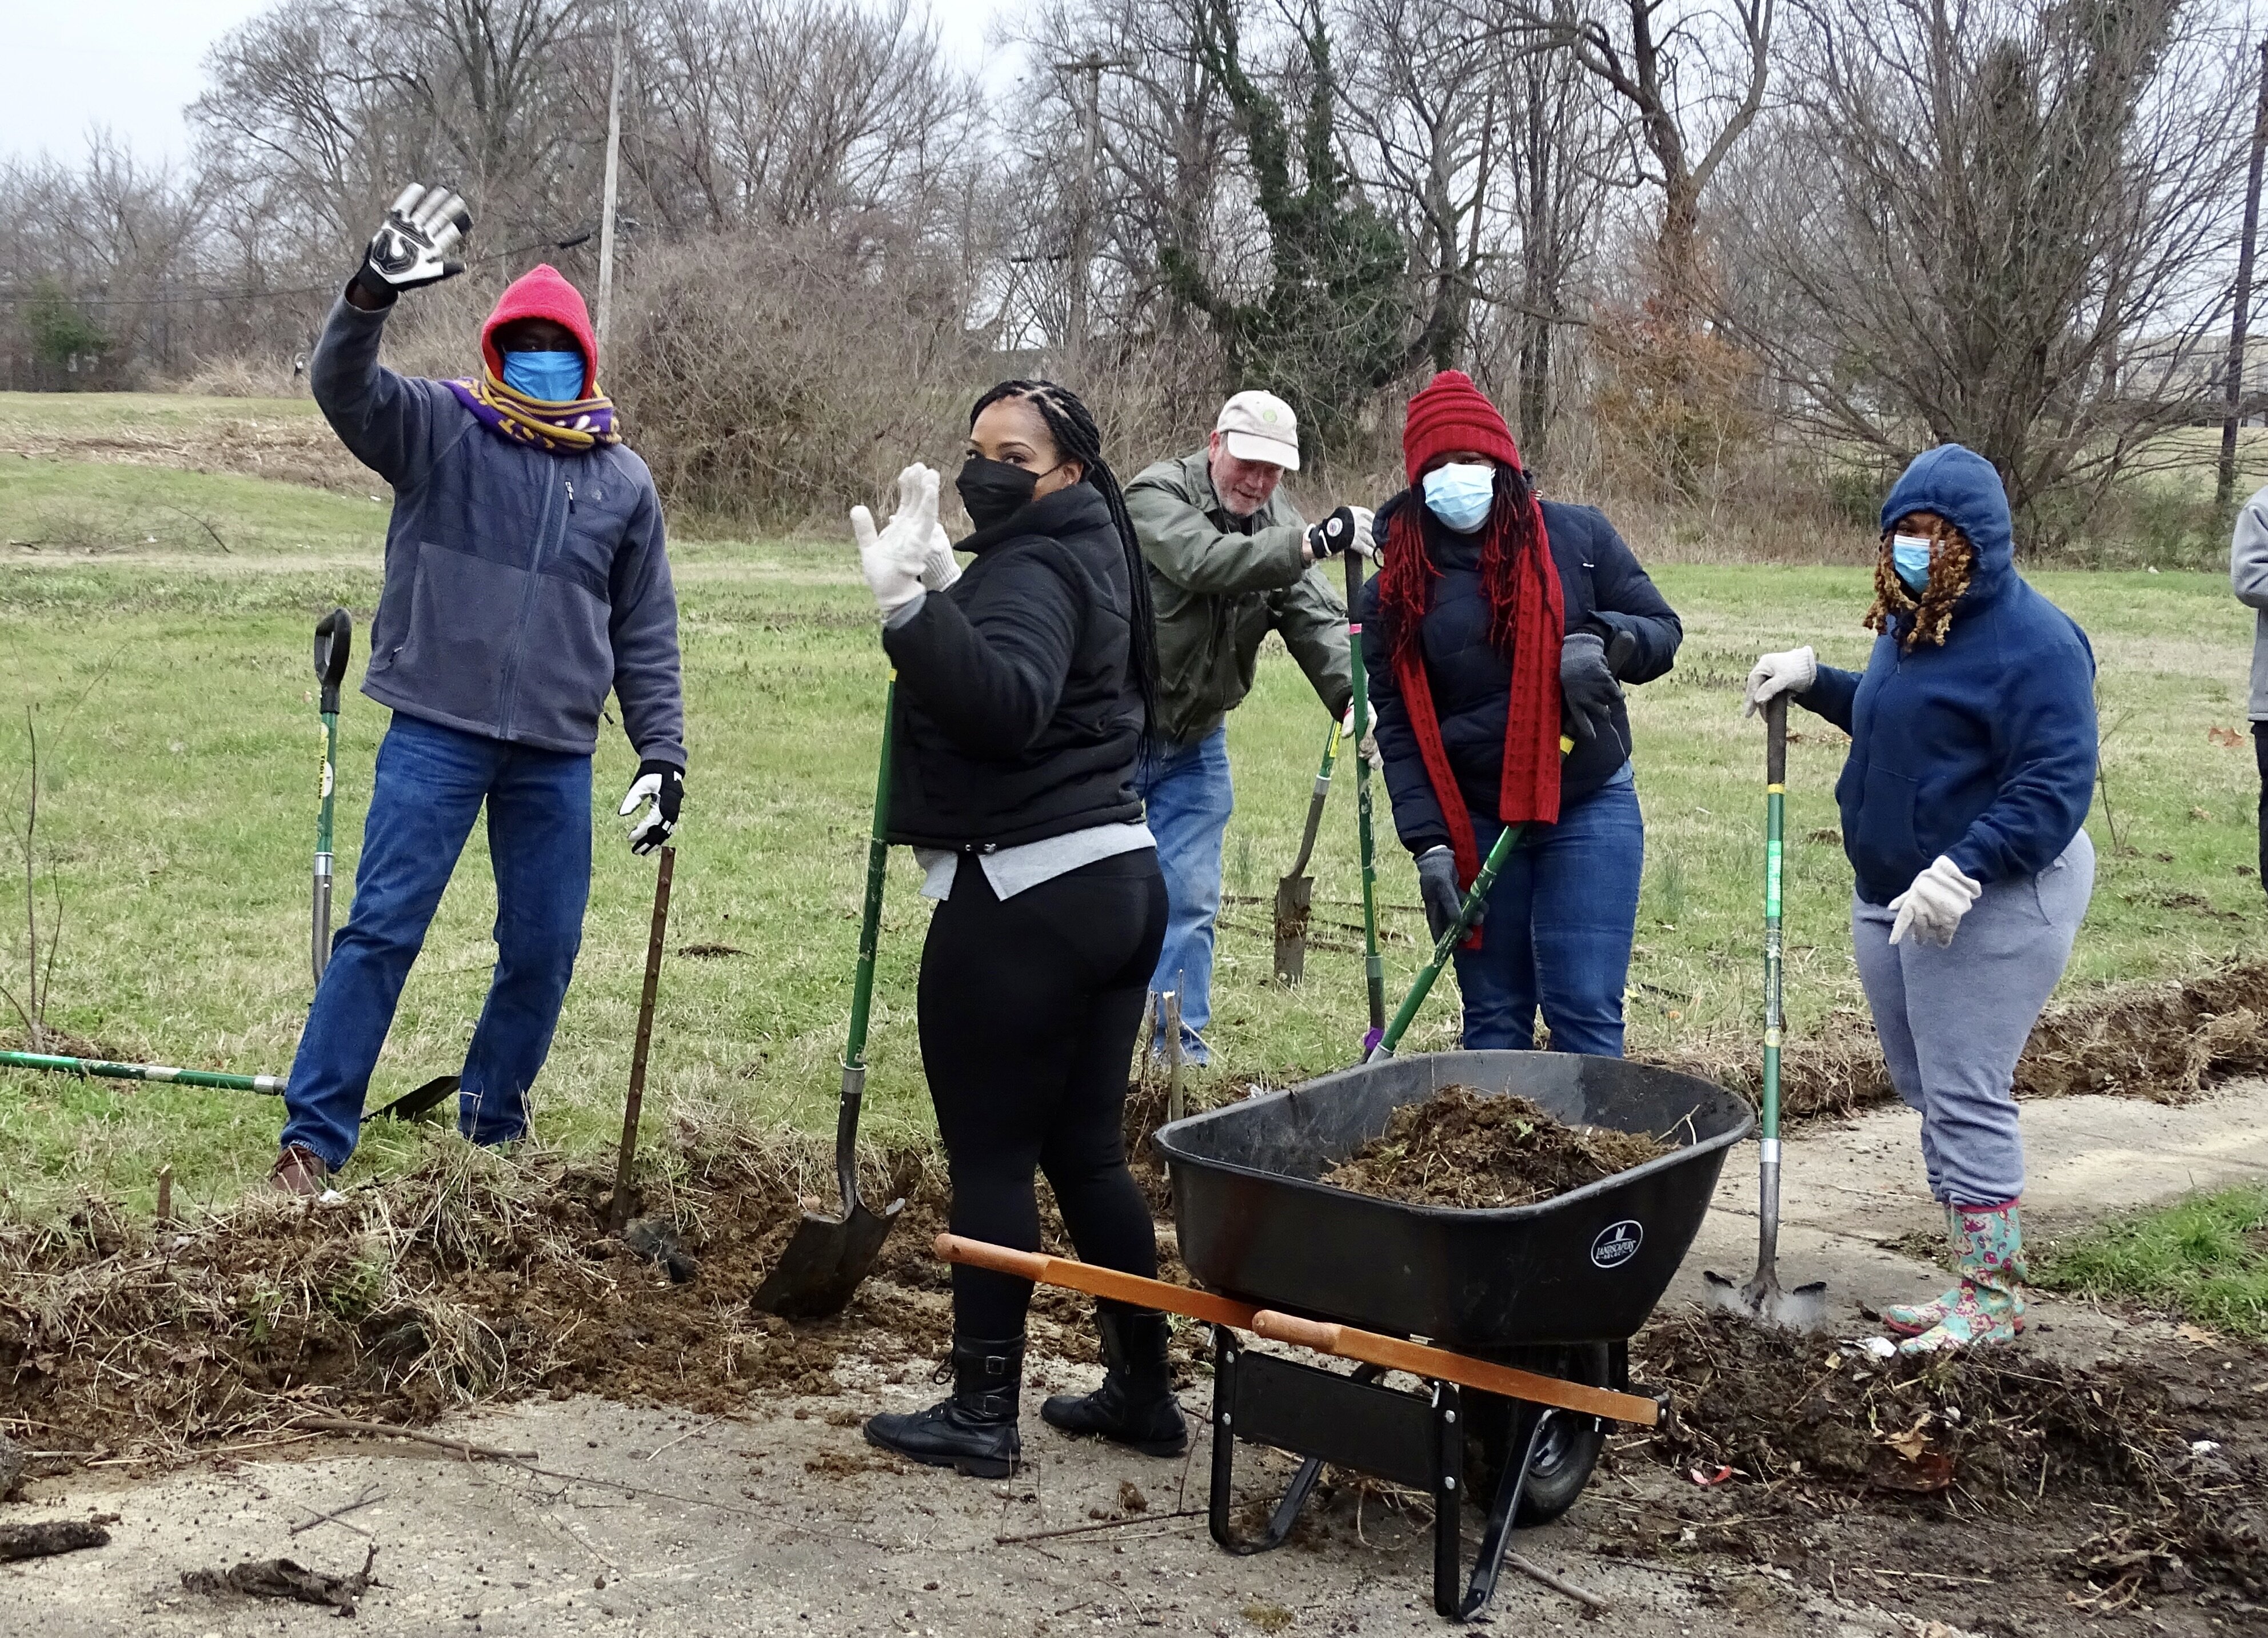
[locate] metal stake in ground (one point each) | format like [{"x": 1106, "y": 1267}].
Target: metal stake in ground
[
  {"x": 619, "y": 1213},
  {"x": 829, "y": 1255},
  {"x": 1295, "y": 890},
  {"x": 1804, "y": 1308},
  {"x": 334, "y": 642}
]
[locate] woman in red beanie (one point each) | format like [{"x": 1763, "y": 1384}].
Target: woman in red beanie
[{"x": 1498, "y": 636}]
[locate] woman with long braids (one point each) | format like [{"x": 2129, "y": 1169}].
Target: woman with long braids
[
  {"x": 1971, "y": 767},
  {"x": 1501, "y": 628},
  {"x": 1024, "y": 689}
]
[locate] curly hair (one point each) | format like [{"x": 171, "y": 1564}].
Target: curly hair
[{"x": 1952, "y": 565}]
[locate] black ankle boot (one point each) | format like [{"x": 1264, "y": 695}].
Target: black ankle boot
[
  {"x": 974, "y": 1431},
  {"x": 1135, "y": 1403}
]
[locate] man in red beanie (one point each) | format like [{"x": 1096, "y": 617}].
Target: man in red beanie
[{"x": 526, "y": 577}]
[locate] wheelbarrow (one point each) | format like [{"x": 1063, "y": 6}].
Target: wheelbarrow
[{"x": 1554, "y": 1289}]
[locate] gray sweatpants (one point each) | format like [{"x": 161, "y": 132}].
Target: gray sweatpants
[{"x": 1953, "y": 1022}]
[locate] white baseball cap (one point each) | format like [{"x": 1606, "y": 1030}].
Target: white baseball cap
[{"x": 1260, "y": 427}]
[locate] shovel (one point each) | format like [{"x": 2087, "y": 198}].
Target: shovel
[
  {"x": 829, "y": 1255},
  {"x": 1373, "y": 970},
  {"x": 1295, "y": 891},
  {"x": 1805, "y": 1308},
  {"x": 334, "y": 642},
  {"x": 619, "y": 1213}
]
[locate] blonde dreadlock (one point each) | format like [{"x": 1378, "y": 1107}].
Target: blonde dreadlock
[{"x": 1951, "y": 563}]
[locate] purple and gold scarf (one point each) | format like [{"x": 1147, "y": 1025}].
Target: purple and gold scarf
[{"x": 568, "y": 429}]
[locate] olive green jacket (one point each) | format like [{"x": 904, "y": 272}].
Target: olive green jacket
[{"x": 1220, "y": 584}]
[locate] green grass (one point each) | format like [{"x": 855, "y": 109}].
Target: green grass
[
  {"x": 170, "y": 683},
  {"x": 2205, "y": 1258}
]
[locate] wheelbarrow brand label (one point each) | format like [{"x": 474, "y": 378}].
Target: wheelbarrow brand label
[{"x": 1617, "y": 1242}]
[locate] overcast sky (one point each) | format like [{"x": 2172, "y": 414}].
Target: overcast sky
[{"x": 133, "y": 66}]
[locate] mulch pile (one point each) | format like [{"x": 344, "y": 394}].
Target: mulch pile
[
  {"x": 1469, "y": 1148},
  {"x": 2142, "y": 1478}
]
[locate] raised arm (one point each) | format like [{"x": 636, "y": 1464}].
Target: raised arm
[
  {"x": 1180, "y": 542},
  {"x": 991, "y": 676}
]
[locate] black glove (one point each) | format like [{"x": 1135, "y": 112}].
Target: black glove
[
  {"x": 1439, "y": 891},
  {"x": 411, "y": 247},
  {"x": 1587, "y": 687},
  {"x": 663, "y": 784},
  {"x": 1347, "y": 529}
]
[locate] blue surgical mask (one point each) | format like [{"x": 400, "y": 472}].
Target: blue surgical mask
[
  {"x": 554, "y": 378},
  {"x": 1461, "y": 496},
  {"x": 1910, "y": 557}
]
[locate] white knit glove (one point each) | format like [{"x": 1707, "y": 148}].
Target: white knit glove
[
  {"x": 893, "y": 559},
  {"x": 939, "y": 567},
  {"x": 1932, "y": 907},
  {"x": 1790, "y": 671}
]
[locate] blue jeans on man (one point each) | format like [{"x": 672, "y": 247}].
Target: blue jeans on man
[
  {"x": 1558, "y": 935},
  {"x": 1187, "y": 791},
  {"x": 430, "y": 786}
]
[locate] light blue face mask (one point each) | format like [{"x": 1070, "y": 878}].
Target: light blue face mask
[
  {"x": 1461, "y": 496},
  {"x": 554, "y": 378},
  {"x": 1910, "y": 557}
]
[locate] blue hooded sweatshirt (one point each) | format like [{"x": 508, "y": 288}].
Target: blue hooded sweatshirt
[{"x": 1983, "y": 750}]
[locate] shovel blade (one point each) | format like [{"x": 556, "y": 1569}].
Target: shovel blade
[
  {"x": 1293, "y": 897},
  {"x": 824, "y": 1262},
  {"x": 417, "y": 1101},
  {"x": 1762, "y": 1299}
]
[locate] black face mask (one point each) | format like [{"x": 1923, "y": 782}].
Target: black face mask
[{"x": 992, "y": 490}]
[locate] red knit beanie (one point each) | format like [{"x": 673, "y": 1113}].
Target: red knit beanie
[
  {"x": 1449, "y": 414},
  {"x": 543, "y": 292}
]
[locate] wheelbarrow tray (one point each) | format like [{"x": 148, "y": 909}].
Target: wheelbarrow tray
[{"x": 1584, "y": 1266}]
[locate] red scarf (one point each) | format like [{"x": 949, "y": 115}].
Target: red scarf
[{"x": 1527, "y": 620}]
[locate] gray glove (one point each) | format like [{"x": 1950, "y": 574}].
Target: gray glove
[
  {"x": 411, "y": 247},
  {"x": 1440, "y": 892},
  {"x": 1587, "y": 687}
]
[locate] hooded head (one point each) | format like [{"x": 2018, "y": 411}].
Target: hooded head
[
  {"x": 543, "y": 292},
  {"x": 1962, "y": 487}
]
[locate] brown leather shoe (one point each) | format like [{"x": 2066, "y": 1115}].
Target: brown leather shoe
[{"x": 300, "y": 1170}]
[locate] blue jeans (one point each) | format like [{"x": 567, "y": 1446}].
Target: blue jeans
[
  {"x": 1187, "y": 791},
  {"x": 429, "y": 785},
  {"x": 1560, "y": 921}
]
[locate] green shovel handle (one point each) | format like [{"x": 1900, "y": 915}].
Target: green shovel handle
[
  {"x": 1446, "y": 944},
  {"x": 1775, "y": 847},
  {"x": 870, "y": 916}
]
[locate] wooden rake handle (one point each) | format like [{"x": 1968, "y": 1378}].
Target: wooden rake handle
[{"x": 1342, "y": 1341}]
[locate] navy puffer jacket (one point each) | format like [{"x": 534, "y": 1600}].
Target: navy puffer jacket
[
  {"x": 1605, "y": 591},
  {"x": 1983, "y": 750}
]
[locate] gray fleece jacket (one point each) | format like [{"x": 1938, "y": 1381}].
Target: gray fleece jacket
[
  {"x": 520, "y": 586},
  {"x": 2248, "y": 574}
]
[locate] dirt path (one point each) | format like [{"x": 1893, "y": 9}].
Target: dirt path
[{"x": 780, "y": 1520}]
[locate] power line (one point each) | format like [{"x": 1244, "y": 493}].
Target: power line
[{"x": 180, "y": 298}]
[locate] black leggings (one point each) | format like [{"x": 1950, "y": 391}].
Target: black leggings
[{"x": 1029, "y": 1014}]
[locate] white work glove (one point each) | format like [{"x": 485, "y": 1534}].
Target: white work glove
[
  {"x": 663, "y": 785},
  {"x": 1366, "y": 745},
  {"x": 1790, "y": 671},
  {"x": 892, "y": 560},
  {"x": 1346, "y": 529},
  {"x": 1932, "y": 907},
  {"x": 939, "y": 567},
  {"x": 411, "y": 247}
]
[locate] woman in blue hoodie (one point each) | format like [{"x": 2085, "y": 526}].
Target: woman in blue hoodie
[{"x": 1971, "y": 767}]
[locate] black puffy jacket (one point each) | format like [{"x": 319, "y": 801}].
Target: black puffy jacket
[
  {"x": 1605, "y": 593},
  {"x": 1019, "y": 717}
]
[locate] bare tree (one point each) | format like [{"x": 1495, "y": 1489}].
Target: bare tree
[{"x": 2003, "y": 222}]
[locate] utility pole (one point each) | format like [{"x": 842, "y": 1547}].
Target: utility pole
[
  {"x": 1082, "y": 243},
  {"x": 2225, "y": 488},
  {"x": 614, "y": 171}
]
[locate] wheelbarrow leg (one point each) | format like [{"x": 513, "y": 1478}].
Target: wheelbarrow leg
[
  {"x": 1294, "y": 1499},
  {"x": 1449, "y": 1496},
  {"x": 1497, "y": 1534}
]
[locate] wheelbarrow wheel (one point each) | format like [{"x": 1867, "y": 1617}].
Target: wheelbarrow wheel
[{"x": 1497, "y": 1429}]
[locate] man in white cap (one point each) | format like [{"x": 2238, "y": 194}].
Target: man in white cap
[{"x": 1229, "y": 563}]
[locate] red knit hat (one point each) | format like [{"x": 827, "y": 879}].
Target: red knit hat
[
  {"x": 1449, "y": 414},
  {"x": 543, "y": 292}
]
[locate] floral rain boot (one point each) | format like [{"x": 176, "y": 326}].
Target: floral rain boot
[
  {"x": 1911, "y": 1320},
  {"x": 1988, "y": 1306}
]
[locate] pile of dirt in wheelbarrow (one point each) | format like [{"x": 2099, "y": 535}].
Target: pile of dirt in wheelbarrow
[
  {"x": 474, "y": 1277},
  {"x": 2144, "y": 1475},
  {"x": 1469, "y": 1148}
]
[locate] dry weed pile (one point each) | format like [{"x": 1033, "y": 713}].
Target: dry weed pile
[{"x": 1466, "y": 1148}]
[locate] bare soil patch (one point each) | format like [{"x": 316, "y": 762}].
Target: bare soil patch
[
  {"x": 2131, "y": 1480},
  {"x": 1468, "y": 1148}
]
